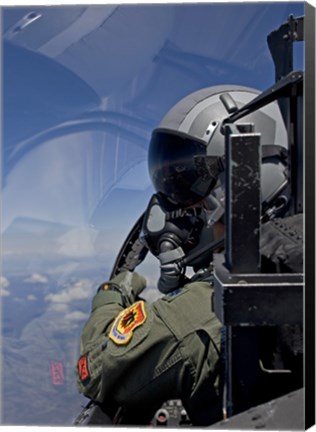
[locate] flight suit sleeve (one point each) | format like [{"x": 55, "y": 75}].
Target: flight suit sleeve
[{"x": 110, "y": 300}]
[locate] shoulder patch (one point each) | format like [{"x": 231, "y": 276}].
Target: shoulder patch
[{"x": 126, "y": 322}]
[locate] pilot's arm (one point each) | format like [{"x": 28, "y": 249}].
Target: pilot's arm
[{"x": 137, "y": 355}]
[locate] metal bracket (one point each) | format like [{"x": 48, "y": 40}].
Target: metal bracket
[
  {"x": 280, "y": 43},
  {"x": 256, "y": 299}
]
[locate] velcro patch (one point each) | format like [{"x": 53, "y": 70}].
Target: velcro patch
[
  {"x": 126, "y": 322},
  {"x": 83, "y": 369},
  {"x": 174, "y": 294}
]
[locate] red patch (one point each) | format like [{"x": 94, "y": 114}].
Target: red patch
[
  {"x": 83, "y": 369},
  {"x": 57, "y": 373}
]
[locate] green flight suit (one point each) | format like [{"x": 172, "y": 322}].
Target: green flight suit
[{"x": 172, "y": 352}]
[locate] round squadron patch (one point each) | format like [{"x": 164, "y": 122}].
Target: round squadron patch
[{"x": 126, "y": 322}]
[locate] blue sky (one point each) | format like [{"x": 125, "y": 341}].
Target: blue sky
[{"x": 83, "y": 89}]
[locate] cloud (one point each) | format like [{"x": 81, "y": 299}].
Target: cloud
[
  {"x": 37, "y": 278},
  {"x": 4, "y": 284},
  {"x": 76, "y": 316},
  {"x": 64, "y": 269},
  {"x": 63, "y": 319},
  {"x": 80, "y": 290},
  {"x": 4, "y": 292},
  {"x": 78, "y": 242},
  {"x": 31, "y": 297},
  {"x": 59, "y": 307},
  {"x": 62, "y": 305}
]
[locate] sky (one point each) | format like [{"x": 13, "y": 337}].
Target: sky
[{"x": 83, "y": 88}]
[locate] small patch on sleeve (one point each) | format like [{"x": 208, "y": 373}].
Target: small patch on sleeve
[
  {"x": 83, "y": 369},
  {"x": 175, "y": 294},
  {"x": 126, "y": 322}
]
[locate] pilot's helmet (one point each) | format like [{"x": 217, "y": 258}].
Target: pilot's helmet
[{"x": 192, "y": 128}]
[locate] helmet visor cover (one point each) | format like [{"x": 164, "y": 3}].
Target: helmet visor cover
[{"x": 173, "y": 170}]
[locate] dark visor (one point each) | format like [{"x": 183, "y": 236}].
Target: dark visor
[{"x": 173, "y": 169}]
